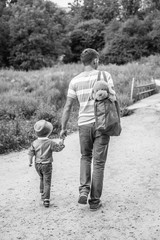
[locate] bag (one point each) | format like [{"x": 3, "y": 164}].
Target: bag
[{"x": 107, "y": 117}]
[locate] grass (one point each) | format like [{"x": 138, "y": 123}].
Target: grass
[{"x": 26, "y": 97}]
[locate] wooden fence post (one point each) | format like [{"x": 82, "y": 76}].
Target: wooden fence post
[{"x": 132, "y": 88}]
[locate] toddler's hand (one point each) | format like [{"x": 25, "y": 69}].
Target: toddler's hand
[{"x": 61, "y": 142}]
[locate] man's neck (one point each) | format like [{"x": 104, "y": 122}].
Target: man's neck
[{"x": 88, "y": 68}]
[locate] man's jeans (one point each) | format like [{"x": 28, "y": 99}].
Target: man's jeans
[
  {"x": 93, "y": 144},
  {"x": 45, "y": 173}
]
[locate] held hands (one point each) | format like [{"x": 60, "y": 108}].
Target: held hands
[
  {"x": 61, "y": 142},
  {"x": 30, "y": 165}
]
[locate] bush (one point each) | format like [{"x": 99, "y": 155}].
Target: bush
[
  {"x": 18, "y": 106},
  {"x": 15, "y": 135},
  {"x": 19, "y": 110},
  {"x": 4, "y": 87},
  {"x": 50, "y": 114}
]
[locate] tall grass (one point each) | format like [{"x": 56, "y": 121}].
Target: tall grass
[{"x": 26, "y": 97}]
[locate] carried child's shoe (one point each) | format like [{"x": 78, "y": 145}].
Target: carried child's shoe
[{"x": 46, "y": 203}]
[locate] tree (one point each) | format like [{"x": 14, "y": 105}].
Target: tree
[
  {"x": 129, "y": 8},
  {"x": 36, "y": 34},
  {"x": 152, "y": 4},
  {"x": 77, "y": 44},
  {"x": 87, "y": 34},
  {"x": 106, "y": 10},
  {"x": 127, "y": 41},
  {"x": 87, "y": 12},
  {"x": 75, "y": 9},
  {"x": 4, "y": 48},
  {"x": 2, "y": 6},
  {"x": 155, "y": 33},
  {"x": 111, "y": 31},
  {"x": 4, "y": 34},
  {"x": 94, "y": 33},
  {"x": 123, "y": 49}
]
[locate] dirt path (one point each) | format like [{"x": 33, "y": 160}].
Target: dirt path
[{"x": 131, "y": 194}]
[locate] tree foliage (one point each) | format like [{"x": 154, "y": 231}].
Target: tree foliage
[
  {"x": 4, "y": 35},
  {"x": 130, "y": 40},
  {"x": 35, "y": 33},
  {"x": 106, "y": 10},
  {"x": 87, "y": 34},
  {"x": 129, "y": 8}
]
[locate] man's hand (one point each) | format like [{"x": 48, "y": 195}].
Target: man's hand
[{"x": 63, "y": 134}]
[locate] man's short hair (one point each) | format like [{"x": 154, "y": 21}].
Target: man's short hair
[{"x": 88, "y": 55}]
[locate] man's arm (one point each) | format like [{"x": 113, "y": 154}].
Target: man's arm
[{"x": 66, "y": 115}]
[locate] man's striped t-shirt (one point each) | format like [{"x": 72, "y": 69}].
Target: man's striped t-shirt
[{"x": 80, "y": 87}]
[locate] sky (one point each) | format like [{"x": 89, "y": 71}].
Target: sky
[{"x": 62, "y": 3}]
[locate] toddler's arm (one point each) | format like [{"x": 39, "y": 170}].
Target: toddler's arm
[
  {"x": 31, "y": 154},
  {"x": 30, "y": 160},
  {"x": 57, "y": 147}
]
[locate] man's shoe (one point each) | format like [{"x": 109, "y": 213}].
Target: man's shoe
[
  {"x": 83, "y": 198},
  {"x": 95, "y": 207}
]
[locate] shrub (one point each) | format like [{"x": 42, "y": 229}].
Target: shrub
[
  {"x": 20, "y": 110},
  {"x": 15, "y": 135},
  {"x": 49, "y": 113},
  {"x": 23, "y": 106},
  {"x": 4, "y": 87}
]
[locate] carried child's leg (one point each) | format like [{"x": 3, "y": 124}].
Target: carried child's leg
[{"x": 47, "y": 176}]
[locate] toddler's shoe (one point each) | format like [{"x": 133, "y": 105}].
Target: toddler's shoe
[{"x": 46, "y": 203}]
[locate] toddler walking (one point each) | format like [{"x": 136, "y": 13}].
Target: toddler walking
[{"x": 41, "y": 149}]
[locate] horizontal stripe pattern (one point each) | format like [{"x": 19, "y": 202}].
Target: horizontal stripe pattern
[
  {"x": 81, "y": 87},
  {"x": 86, "y": 121}
]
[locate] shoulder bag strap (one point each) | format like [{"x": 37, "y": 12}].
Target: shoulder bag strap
[
  {"x": 104, "y": 76},
  {"x": 98, "y": 79},
  {"x": 99, "y": 76}
]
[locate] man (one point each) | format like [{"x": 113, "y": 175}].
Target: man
[{"x": 93, "y": 144}]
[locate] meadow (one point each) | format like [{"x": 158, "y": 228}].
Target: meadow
[{"x": 26, "y": 97}]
